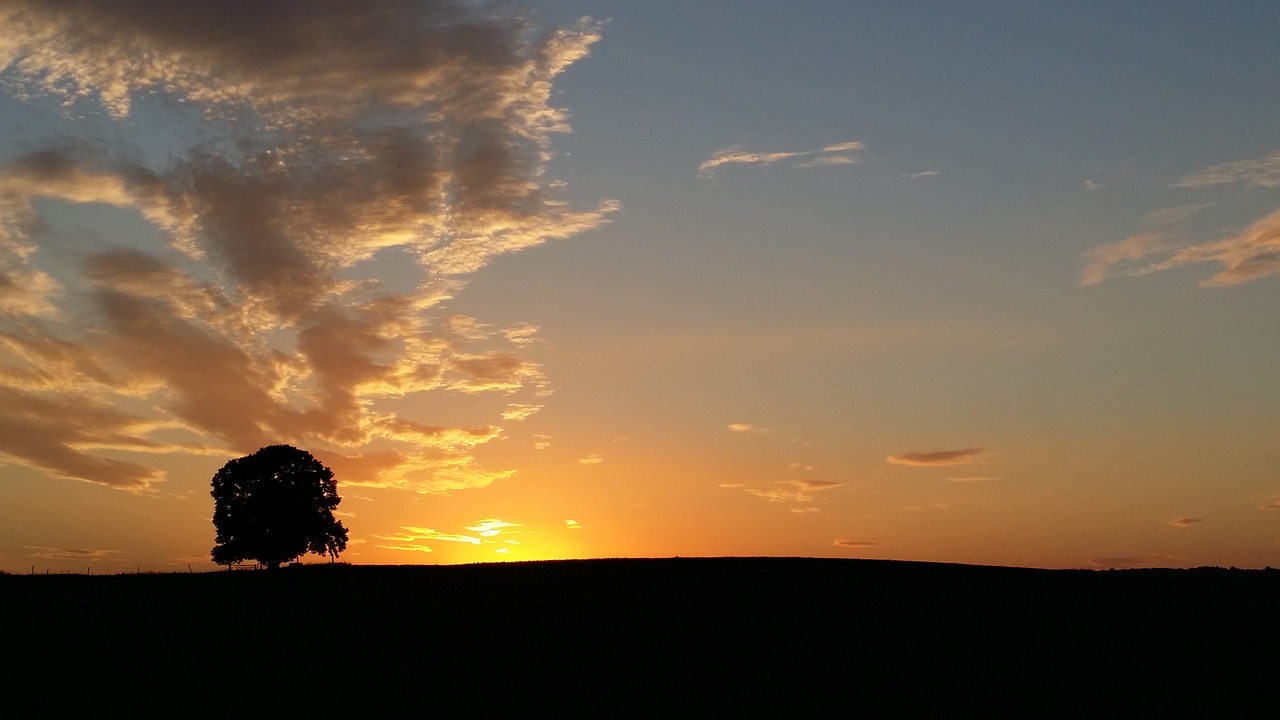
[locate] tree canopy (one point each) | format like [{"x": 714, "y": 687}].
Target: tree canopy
[{"x": 274, "y": 506}]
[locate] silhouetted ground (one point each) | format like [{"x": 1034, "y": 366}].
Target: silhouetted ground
[{"x": 609, "y": 638}]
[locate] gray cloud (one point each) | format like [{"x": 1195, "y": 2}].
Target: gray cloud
[
  {"x": 335, "y": 140},
  {"x": 936, "y": 457}
]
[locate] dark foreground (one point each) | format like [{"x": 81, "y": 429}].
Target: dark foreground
[{"x": 608, "y": 638}]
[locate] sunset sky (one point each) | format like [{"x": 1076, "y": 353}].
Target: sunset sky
[{"x": 977, "y": 282}]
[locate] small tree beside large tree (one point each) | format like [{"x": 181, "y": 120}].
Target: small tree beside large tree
[{"x": 274, "y": 506}]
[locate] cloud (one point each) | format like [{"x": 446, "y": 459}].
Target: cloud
[
  {"x": 491, "y": 527},
  {"x": 1101, "y": 261},
  {"x": 923, "y": 174},
  {"x": 590, "y": 460},
  {"x": 972, "y": 479},
  {"x": 742, "y": 428},
  {"x": 1273, "y": 505},
  {"x": 77, "y": 554},
  {"x": 572, "y": 525},
  {"x": 936, "y": 457},
  {"x": 735, "y": 155},
  {"x": 1172, "y": 215},
  {"x": 781, "y": 492},
  {"x": 346, "y": 167},
  {"x": 1264, "y": 172},
  {"x": 413, "y": 539},
  {"x": 804, "y": 510},
  {"x": 1185, "y": 521},
  {"x": 827, "y": 161},
  {"x": 519, "y": 412},
  {"x": 852, "y": 145},
  {"x": 846, "y": 543},
  {"x": 1247, "y": 255},
  {"x": 815, "y": 485}
]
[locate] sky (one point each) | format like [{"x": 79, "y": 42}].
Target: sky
[{"x": 975, "y": 282}]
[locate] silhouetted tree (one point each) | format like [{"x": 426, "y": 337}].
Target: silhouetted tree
[{"x": 273, "y": 506}]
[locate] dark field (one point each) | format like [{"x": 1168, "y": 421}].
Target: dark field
[{"x": 602, "y": 638}]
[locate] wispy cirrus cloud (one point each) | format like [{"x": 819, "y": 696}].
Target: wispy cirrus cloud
[
  {"x": 331, "y": 143},
  {"x": 853, "y": 544},
  {"x": 1243, "y": 256},
  {"x": 789, "y": 491},
  {"x": 1260, "y": 172},
  {"x": 76, "y": 554},
  {"x": 842, "y": 153},
  {"x": 936, "y": 457},
  {"x": 1103, "y": 261},
  {"x": 922, "y": 174},
  {"x": 419, "y": 539},
  {"x": 1183, "y": 522},
  {"x": 1172, "y": 215}
]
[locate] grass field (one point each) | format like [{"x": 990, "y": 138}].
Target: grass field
[{"x": 602, "y": 638}]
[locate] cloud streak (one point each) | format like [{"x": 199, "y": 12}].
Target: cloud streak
[
  {"x": 936, "y": 457},
  {"x": 834, "y": 154},
  {"x": 1243, "y": 256},
  {"x": 853, "y": 544},
  {"x": 790, "y": 491},
  {"x": 1261, "y": 172},
  {"x": 351, "y": 165}
]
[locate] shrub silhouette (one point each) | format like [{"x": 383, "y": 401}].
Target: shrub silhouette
[{"x": 274, "y": 506}]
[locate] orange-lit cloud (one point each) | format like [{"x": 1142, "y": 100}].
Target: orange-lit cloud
[
  {"x": 519, "y": 412},
  {"x": 735, "y": 155},
  {"x": 1273, "y": 505},
  {"x": 491, "y": 527},
  {"x": 316, "y": 163},
  {"x": 1185, "y": 521},
  {"x": 1247, "y": 255},
  {"x": 977, "y": 479},
  {"x": 936, "y": 457},
  {"x": 572, "y": 525},
  {"x": 590, "y": 460},
  {"x": 1263, "y": 172},
  {"x": 1102, "y": 261},
  {"x": 740, "y": 427},
  {"x": 846, "y": 543}
]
